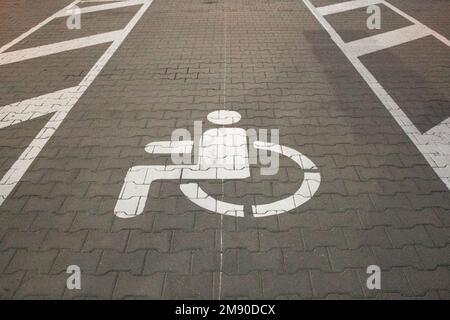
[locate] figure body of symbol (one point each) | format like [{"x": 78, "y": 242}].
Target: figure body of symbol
[{"x": 223, "y": 155}]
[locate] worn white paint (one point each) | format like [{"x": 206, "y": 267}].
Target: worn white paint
[
  {"x": 346, "y": 6},
  {"x": 309, "y": 186},
  {"x": 45, "y": 50},
  {"x": 60, "y": 102},
  {"x": 223, "y": 155},
  {"x": 224, "y": 117}
]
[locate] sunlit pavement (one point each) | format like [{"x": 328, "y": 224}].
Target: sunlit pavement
[{"x": 87, "y": 113}]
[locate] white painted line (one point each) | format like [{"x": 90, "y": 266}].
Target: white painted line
[
  {"x": 346, "y": 6},
  {"x": 437, "y": 35},
  {"x": 25, "y": 110},
  {"x": 431, "y": 149},
  {"x": 102, "y": 7},
  {"x": 36, "y": 52},
  {"x": 170, "y": 147},
  {"x": 37, "y": 27},
  {"x": 386, "y": 40},
  {"x": 20, "y": 167}
]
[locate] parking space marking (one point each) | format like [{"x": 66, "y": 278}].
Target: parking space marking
[
  {"x": 60, "y": 103},
  {"x": 435, "y": 34},
  {"x": 36, "y": 27},
  {"x": 386, "y": 40},
  {"x": 346, "y": 6},
  {"x": 102, "y": 7},
  {"x": 434, "y": 147},
  {"x": 29, "y": 109},
  {"x": 45, "y": 50}
]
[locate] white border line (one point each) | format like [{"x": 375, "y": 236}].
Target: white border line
[
  {"x": 18, "y": 169},
  {"x": 37, "y": 27},
  {"x": 386, "y": 40},
  {"x": 437, "y": 35},
  {"x": 346, "y": 6},
  {"x": 434, "y": 148},
  {"x": 48, "y": 49}
]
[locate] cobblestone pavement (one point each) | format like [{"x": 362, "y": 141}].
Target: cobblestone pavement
[{"x": 79, "y": 106}]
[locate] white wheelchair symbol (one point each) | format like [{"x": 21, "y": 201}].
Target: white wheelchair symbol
[{"x": 223, "y": 155}]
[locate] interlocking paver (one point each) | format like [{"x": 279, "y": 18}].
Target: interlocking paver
[
  {"x": 34, "y": 261},
  {"x": 383, "y": 196}
]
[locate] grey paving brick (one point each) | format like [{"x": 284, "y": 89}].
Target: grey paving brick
[
  {"x": 316, "y": 259},
  {"x": 248, "y": 261},
  {"x": 179, "y": 263},
  {"x": 143, "y": 223},
  {"x": 45, "y": 286},
  {"x": 40, "y": 261},
  {"x": 394, "y": 284},
  {"x": 106, "y": 240},
  {"x": 165, "y": 221},
  {"x": 22, "y": 239},
  {"x": 140, "y": 287},
  {"x": 9, "y": 284},
  {"x": 423, "y": 281},
  {"x": 145, "y": 240},
  {"x": 45, "y": 220},
  {"x": 440, "y": 236},
  {"x": 111, "y": 260},
  {"x": 324, "y": 238},
  {"x": 282, "y": 239},
  {"x": 402, "y": 257},
  {"x": 376, "y": 236},
  {"x": 434, "y": 257},
  {"x": 93, "y": 287},
  {"x": 194, "y": 240},
  {"x": 343, "y": 259},
  {"x": 295, "y": 284},
  {"x": 345, "y": 282},
  {"x": 415, "y": 235},
  {"x": 87, "y": 261},
  {"x": 241, "y": 286},
  {"x": 189, "y": 286},
  {"x": 210, "y": 262},
  {"x": 64, "y": 240},
  {"x": 239, "y": 239},
  {"x": 86, "y": 221},
  {"x": 5, "y": 258}
]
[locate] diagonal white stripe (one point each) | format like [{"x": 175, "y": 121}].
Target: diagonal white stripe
[
  {"x": 20, "y": 167},
  {"x": 25, "y": 110},
  {"x": 386, "y": 40},
  {"x": 101, "y": 7},
  {"x": 31, "y": 53},
  {"x": 434, "y": 148},
  {"x": 37, "y": 27},
  {"x": 346, "y": 6}
]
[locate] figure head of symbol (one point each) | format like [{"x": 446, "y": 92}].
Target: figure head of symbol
[{"x": 224, "y": 117}]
